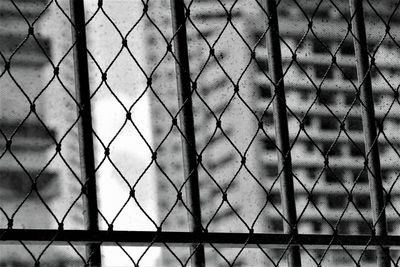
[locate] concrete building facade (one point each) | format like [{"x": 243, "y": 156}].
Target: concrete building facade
[
  {"x": 322, "y": 94},
  {"x": 229, "y": 70},
  {"x": 32, "y": 178},
  {"x": 235, "y": 39}
]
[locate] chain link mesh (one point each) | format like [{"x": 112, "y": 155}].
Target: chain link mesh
[{"x": 139, "y": 129}]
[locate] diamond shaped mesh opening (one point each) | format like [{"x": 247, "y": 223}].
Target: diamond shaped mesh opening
[{"x": 184, "y": 133}]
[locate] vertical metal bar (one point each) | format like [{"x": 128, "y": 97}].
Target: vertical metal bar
[
  {"x": 85, "y": 128},
  {"x": 187, "y": 126},
  {"x": 369, "y": 128},
  {"x": 281, "y": 131}
]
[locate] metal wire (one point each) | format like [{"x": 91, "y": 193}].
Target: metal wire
[
  {"x": 369, "y": 128},
  {"x": 282, "y": 131},
  {"x": 267, "y": 121},
  {"x": 85, "y": 127},
  {"x": 187, "y": 126}
]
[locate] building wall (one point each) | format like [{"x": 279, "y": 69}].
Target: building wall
[
  {"x": 312, "y": 71},
  {"x": 27, "y": 90},
  {"x": 222, "y": 150},
  {"x": 221, "y": 169}
]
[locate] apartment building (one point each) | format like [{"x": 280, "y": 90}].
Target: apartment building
[
  {"x": 232, "y": 38},
  {"x": 322, "y": 114},
  {"x": 216, "y": 79},
  {"x": 30, "y": 171},
  {"x": 231, "y": 93}
]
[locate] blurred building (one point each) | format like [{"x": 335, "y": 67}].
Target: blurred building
[
  {"x": 44, "y": 148},
  {"x": 322, "y": 115},
  {"x": 29, "y": 181},
  {"x": 221, "y": 149},
  {"x": 229, "y": 67},
  {"x": 215, "y": 77}
]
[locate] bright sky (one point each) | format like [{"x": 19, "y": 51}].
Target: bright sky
[
  {"x": 129, "y": 147},
  {"x": 129, "y": 152}
]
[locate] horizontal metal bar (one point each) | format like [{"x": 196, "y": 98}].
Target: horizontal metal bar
[{"x": 145, "y": 238}]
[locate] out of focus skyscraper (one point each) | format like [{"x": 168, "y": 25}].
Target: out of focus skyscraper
[
  {"x": 320, "y": 93},
  {"x": 231, "y": 88},
  {"x": 30, "y": 181},
  {"x": 323, "y": 94},
  {"x": 216, "y": 98}
]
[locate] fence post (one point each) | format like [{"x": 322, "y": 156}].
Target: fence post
[
  {"x": 85, "y": 128},
  {"x": 369, "y": 128},
  {"x": 281, "y": 131},
  {"x": 187, "y": 127}
]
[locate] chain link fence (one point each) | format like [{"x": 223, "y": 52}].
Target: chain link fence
[{"x": 193, "y": 133}]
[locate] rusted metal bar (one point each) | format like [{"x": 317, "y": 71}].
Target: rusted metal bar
[
  {"x": 281, "y": 131},
  {"x": 187, "y": 127},
  {"x": 85, "y": 128},
  {"x": 369, "y": 128}
]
